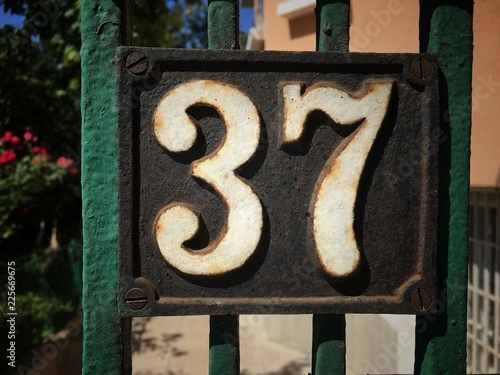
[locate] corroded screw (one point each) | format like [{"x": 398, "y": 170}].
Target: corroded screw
[
  {"x": 421, "y": 299},
  {"x": 328, "y": 29},
  {"x": 136, "y": 63},
  {"x": 421, "y": 68},
  {"x": 136, "y": 299}
]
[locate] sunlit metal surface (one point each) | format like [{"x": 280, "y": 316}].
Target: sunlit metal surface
[{"x": 272, "y": 182}]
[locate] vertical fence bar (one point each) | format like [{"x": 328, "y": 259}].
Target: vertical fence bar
[
  {"x": 224, "y": 351},
  {"x": 332, "y": 25},
  {"x": 105, "y": 335},
  {"x": 446, "y": 29},
  {"x": 224, "y": 345},
  {"x": 223, "y": 24},
  {"x": 328, "y": 352}
]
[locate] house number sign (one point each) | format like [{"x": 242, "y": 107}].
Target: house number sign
[{"x": 277, "y": 182}]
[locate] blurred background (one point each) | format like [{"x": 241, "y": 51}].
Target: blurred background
[{"x": 40, "y": 214}]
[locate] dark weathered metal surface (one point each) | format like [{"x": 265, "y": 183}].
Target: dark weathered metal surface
[{"x": 395, "y": 212}]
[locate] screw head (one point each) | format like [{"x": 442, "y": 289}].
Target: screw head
[
  {"x": 328, "y": 29},
  {"x": 421, "y": 299},
  {"x": 421, "y": 68},
  {"x": 136, "y": 63},
  {"x": 136, "y": 299}
]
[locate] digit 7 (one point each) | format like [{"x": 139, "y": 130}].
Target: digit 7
[{"x": 338, "y": 183}]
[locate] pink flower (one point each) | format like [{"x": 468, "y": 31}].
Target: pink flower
[
  {"x": 7, "y": 157},
  {"x": 65, "y": 162},
  {"x": 15, "y": 140},
  {"x": 74, "y": 171},
  {"x": 28, "y": 136},
  {"x": 7, "y": 137},
  {"x": 39, "y": 151}
]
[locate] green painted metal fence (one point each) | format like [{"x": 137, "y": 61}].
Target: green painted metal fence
[{"x": 445, "y": 29}]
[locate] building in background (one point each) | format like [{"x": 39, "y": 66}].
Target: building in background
[{"x": 383, "y": 344}]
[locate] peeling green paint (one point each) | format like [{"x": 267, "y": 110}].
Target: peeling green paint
[
  {"x": 224, "y": 354},
  {"x": 446, "y": 29},
  {"x": 328, "y": 344},
  {"x": 223, "y": 24},
  {"x": 104, "y": 331},
  {"x": 332, "y": 25}
]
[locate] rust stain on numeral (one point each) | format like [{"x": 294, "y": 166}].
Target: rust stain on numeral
[
  {"x": 178, "y": 223},
  {"x": 335, "y": 198}
]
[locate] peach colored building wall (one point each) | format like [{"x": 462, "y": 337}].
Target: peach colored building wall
[
  {"x": 485, "y": 158},
  {"x": 392, "y": 26},
  {"x": 384, "y": 26},
  {"x": 372, "y": 27},
  {"x": 281, "y": 34}
]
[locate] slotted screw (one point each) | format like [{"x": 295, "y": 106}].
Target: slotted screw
[
  {"x": 136, "y": 299},
  {"x": 421, "y": 299},
  {"x": 136, "y": 63},
  {"x": 421, "y": 68}
]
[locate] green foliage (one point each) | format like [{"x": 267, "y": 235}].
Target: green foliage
[
  {"x": 177, "y": 24},
  {"x": 37, "y": 93},
  {"x": 45, "y": 314},
  {"x": 33, "y": 187},
  {"x": 45, "y": 298},
  {"x": 36, "y": 90}
]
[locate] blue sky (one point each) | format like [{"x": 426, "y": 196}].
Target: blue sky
[
  {"x": 246, "y": 18},
  {"x": 9, "y": 19}
]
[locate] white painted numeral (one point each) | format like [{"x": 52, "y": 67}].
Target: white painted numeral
[
  {"x": 178, "y": 223},
  {"x": 338, "y": 183}
]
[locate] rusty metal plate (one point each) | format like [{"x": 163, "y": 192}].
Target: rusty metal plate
[{"x": 277, "y": 182}]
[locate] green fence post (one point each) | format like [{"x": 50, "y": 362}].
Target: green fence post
[
  {"x": 224, "y": 351},
  {"x": 328, "y": 352},
  {"x": 224, "y": 355},
  {"x": 332, "y": 25},
  {"x": 223, "y": 24},
  {"x": 105, "y": 336},
  {"x": 446, "y": 29}
]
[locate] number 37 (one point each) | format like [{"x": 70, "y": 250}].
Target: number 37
[{"x": 337, "y": 186}]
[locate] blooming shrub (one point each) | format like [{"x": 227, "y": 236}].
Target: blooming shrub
[
  {"x": 39, "y": 191},
  {"x": 33, "y": 186}
]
